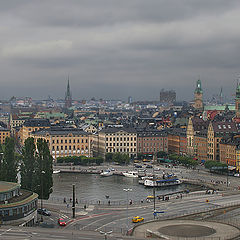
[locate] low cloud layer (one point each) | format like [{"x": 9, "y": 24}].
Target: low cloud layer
[{"x": 114, "y": 49}]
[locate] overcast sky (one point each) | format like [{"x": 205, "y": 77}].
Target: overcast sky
[{"x": 118, "y": 48}]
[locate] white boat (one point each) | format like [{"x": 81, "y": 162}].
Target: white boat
[
  {"x": 106, "y": 173},
  {"x": 56, "y": 171},
  {"x": 162, "y": 182},
  {"x": 131, "y": 174}
]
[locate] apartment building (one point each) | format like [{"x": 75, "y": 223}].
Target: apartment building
[
  {"x": 216, "y": 131},
  {"x": 4, "y": 133},
  {"x": 66, "y": 141},
  {"x": 31, "y": 125},
  {"x": 151, "y": 141},
  {"x": 111, "y": 140}
]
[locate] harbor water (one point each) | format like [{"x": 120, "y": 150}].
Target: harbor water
[{"x": 93, "y": 187}]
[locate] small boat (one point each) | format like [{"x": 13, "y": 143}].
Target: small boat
[
  {"x": 106, "y": 173},
  {"x": 56, "y": 171},
  {"x": 131, "y": 174}
]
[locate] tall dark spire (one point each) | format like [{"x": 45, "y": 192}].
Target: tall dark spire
[{"x": 68, "y": 96}]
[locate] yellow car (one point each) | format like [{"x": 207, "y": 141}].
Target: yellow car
[{"x": 137, "y": 219}]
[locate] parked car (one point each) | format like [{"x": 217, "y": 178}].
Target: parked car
[
  {"x": 137, "y": 219},
  {"x": 61, "y": 222},
  {"x": 138, "y": 166},
  {"x": 149, "y": 166},
  {"x": 44, "y": 211}
]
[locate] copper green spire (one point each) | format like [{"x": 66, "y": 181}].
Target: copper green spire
[{"x": 198, "y": 87}]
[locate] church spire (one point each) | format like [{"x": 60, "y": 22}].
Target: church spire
[{"x": 68, "y": 96}]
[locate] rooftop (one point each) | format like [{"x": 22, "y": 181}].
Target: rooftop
[{"x": 8, "y": 186}]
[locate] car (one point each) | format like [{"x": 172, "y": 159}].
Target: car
[
  {"x": 61, "y": 222},
  {"x": 137, "y": 219},
  {"x": 44, "y": 211},
  {"x": 149, "y": 166},
  {"x": 138, "y": 166}
]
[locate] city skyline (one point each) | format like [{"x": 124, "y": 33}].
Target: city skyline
[{"x": 116, "y": 49}]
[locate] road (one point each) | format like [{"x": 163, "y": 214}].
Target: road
[{"x": 118, "y": 219}]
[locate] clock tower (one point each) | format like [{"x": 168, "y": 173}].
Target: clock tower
[{"x": 198, "y": 95}]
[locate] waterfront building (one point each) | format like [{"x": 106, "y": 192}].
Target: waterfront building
[
  {"x": 217, "y": 130},
  {"x": 65, "y": 142},
  {"x": 4, "y": 133},
  {"x": 198, "y": 96},
  {"x": 230, "y": 150},
  {"x": 200, "y": 150},
  {"x": 31, "y": 125},
  {"x": 152, "y": 141},
  {"x": 177, "y": 141},
  {"x": 195, "y": 125},
  {"x": 17, "y": 206},
  {"x": 111, "y": 140}
]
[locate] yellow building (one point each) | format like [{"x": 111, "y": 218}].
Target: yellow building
[
  {"x": 216, "y": 131},
  {"x": 4, "y": 133},
  {"x": 111, "y": 140},
  {"x": 66, "y": 142},
  {"x": 32, "y": 125}
]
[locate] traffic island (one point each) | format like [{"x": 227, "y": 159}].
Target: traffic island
[{"x": 186, "y": 229}]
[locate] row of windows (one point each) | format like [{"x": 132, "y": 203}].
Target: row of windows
[
  {"x": 57, "y": 136},
  {"x": 70, "y": 141},
  {"x": 120, "y": 144},
  {"x": 152, "y": 144},
  {"x": 121, "y": 139},
  {"x": 68, "y": 148},
  {"x": 121, "y": 150},
  {"x": 19, "y": 210}
]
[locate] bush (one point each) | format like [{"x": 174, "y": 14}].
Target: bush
[{"x": 80, "y": 160}]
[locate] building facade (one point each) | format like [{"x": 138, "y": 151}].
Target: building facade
[
  {"x": 111, "y": 140},
  {"x": 66, "y": 142},
  {"x": 17, "y": 206},
  {"x": 4, "y": 133},
  {"x": 216, "y": 131},
  {"x": 152, "y": 141},
  {"x": 31, "y": 125}
]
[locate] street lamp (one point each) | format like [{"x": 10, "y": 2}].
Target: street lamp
[
  {"x": 127, "y": 190},
  {"x": 42, "y": 172}
]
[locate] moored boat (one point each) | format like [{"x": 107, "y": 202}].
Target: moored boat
[
  {"x": 106, "y": 173},
  {"x": 131, "y": 174},
  {"x": 162, "y": 182}
]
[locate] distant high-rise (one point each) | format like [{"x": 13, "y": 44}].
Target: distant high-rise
[
  {"x": 198, "y": 96},
  {"x": 68, "y": 96},
  {"x": 129, "y": 100},
  {"x": 167, "y": 96}
]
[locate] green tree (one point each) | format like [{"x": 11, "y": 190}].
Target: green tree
[
  {"x": 162, "y": 154},
  {"x": 9, "y": 164},
  {"x": 28, "y": 164},
  {"x": 43, "y": 181},
  {"x": 109, "y": 157}
]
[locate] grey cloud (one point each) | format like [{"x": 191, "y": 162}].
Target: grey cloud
[{"x": 118, "y": 48}]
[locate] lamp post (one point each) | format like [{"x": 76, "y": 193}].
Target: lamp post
[
  {"x": 154, "y": 194},
  {"x": 127, "y": 190},
  {"x": 227, "y": 173},
  {"x": 42, "y": 172}
]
